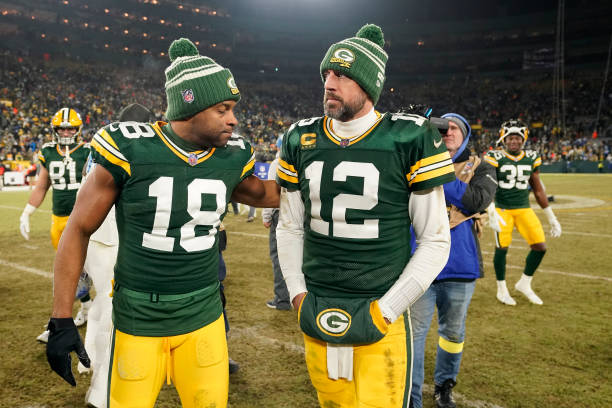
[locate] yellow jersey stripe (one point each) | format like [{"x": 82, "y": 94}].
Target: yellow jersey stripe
[
  {"x": 432, "y": 174},
  {"x": 108, "y": 138},
  {"x": 429, "y": 160},
  {"x": 248, "y": 167},
  {"x": 449, "y": 346},
  {"x": 41, "y": 157},
  {"x": 286, "y": 177},
  {"x": 537, "y": 162},
  {"x": 286, "y": 166},
  {"x": 491, "y": 161},
  {"x": 111, "y": 157}
]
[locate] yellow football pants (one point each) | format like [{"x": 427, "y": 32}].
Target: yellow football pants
[
  {"x": 527, "y": 224},
  {"x": 57, "y": 228},
  {"x": 197, "y": 363},
  {"x": 381, "y": 371}
]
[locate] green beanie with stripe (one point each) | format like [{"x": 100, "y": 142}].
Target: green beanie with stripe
[
  {"x": 195, "y": 82},
  {"x": 361, "y": 58}
]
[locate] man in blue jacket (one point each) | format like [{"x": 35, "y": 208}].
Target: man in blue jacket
[{"x": 452, "y": 290}]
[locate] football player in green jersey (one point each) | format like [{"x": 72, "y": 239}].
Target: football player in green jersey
[
  {"x": 170, "y": 184},
  {"x": 352, "y": 183},
  {"x": 61, "y": 167},
  {"x": 517, "y": 169}
]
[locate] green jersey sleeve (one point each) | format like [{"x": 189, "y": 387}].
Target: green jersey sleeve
[
  {"x": 428, "y": 163},
  {"x": 286, "y": 173},
  {"x": 109, "y": 150}
]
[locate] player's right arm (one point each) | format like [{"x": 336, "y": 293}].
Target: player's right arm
[
  {"x": 36, "y": 198},
  {"x": 93, "y": 203}
]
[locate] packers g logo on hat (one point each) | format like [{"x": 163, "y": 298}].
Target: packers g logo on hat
[
  {"x": 231, "y": 83},
  {"x": 334, "y": 322},
  {"x": 344, "y": 57}
]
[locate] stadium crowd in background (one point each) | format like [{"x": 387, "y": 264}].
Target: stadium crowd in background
[{"x": 31, "y": 90}]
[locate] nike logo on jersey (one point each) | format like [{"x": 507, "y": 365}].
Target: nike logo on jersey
[
  {"x": 438, "y": 143},
  {"x": 112, "y": 127}
]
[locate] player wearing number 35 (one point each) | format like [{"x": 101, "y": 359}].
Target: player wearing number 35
[
  {"x": 352, "y": 182},
  {"x": 517, "y": 169},
  {"x": 170, "y": 184}
]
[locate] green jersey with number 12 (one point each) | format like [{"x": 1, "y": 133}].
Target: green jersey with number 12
[
  {"x": 513, "y": 173},
  {"x": 356, "y": 193},
  {"x": 172, "y": 200},
  {"x": 65, "y": 167}
]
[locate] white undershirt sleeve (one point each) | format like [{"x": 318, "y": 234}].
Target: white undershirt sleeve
[
  {"x": 427, "y": 211},
  {"x": 290, "y": 241}
]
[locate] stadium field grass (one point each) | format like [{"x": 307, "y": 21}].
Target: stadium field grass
[{"x": 555, "y": 355}]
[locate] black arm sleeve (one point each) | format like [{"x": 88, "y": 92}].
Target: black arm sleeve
[{"x": 481, "y": 189}]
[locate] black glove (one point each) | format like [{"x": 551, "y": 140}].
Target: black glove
[{"x": 63, "y": 339}]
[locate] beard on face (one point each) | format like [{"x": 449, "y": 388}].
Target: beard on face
[{"x": 346, "y": 110}]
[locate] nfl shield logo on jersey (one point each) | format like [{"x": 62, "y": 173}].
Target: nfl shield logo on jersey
[
  {"x": 193, "y": 159},
  {"x": 188, "y": 95}
]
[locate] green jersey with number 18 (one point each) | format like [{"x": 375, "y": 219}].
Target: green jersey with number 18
[
  {"x": 172, "y": 200},
  {"x": 65, "y": 167},
  {"x": 356, "y": 193},
  {"x": 513, "y": 173}
]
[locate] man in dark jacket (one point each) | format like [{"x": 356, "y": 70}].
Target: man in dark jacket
[{"x": 452, "y": 290}]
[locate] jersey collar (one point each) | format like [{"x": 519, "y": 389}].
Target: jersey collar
[
  {"x": 179, "y": 147},
  {"x": 328, "y": 127},
  {"x": 514, "y": 158},
  {"x": 63, "y": 152}
]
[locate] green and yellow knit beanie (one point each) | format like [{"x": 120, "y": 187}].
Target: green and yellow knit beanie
[
  {"x": 361, "y": 58},
  {"x": 195, "y": 82}
]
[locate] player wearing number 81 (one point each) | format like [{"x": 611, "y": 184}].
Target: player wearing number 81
[
  {"x": 517, "y": 169},
  {"x": 61, "y": 168},
  {"x": 352, "y": 181},
  {"x": 170, "y": 184}
]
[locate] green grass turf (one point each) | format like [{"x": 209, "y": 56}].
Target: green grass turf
[{"x": 555, "y": 355}]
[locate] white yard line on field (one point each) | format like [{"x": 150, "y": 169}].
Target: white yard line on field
[
  {"x": 575, "y": 275},
  {"x": 23, "y": 268},
  {"x": 247, "y": 234},
  {"x": 12, "y": 207}
]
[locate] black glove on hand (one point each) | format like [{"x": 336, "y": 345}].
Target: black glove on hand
[{"x": 63, "y": 339}]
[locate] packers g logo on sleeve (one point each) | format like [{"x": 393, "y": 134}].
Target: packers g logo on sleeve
[
  {"x": 344, "y": 57},
  {"x": 334, "y": 322}
]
